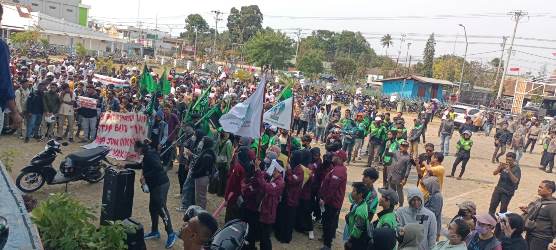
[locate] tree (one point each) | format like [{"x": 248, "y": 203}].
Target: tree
[
  {"x": 447, "y": 67},
  {"x": 386, "y": 42},
  {"x": 194, "y": 22},
  {"x": 344, "y": 67},
  {"x": 269, "y": 47},
  {"x": 495, "y": 61},
  {"x": 428, "y": 57},
  {"x": 310, "y": 63},
  {"x": 243, "y": 24},
  {"x": 80, "y": 50},
  {"x": 24, "y": 40}
]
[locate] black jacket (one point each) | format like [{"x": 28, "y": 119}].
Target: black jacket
[
  {"x": 152, "y": 169},
  {"x": 34, "y": 103},
  {"x": 203, "y": 165},
  {"x": 514, "y": 243},
  {"x": 503, "y": 136}
]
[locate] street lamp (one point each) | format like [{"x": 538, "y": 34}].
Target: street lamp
[{"x": 464, "y": 56}]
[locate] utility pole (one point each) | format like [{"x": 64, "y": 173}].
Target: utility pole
[
  {"x": 298, "y": 34},
  {"x": 407, "y": 58},
  {"x": 504, "y": 38},
  {"x": 517, "y": 15},
  {"x": 464, "y": 56},
  {"x": 217, "y": 13},
  {"x": 402, "y": 39}
]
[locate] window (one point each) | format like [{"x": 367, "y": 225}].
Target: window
[
  {"x": 52, "y": 7},
  {"x": 69, "y": 10}
]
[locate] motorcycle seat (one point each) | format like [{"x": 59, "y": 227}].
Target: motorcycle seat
[{"x": 87, "y": 154}]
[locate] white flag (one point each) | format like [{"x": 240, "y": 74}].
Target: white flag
[
  {"x": 244, "y": 119},
  {"x": 280, "y": 115}
]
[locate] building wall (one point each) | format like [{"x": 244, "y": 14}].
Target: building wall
[
  {"x": 69, "y": 10},
  {"x": 397, "y": 87}
]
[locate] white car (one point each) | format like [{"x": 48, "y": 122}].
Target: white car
[{"x": 463, "y": 111}]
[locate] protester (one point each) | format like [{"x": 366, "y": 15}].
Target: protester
[
  {"x": 154, "y": 177},
  {"x": 414, "y": 137},
  {"x": 540, "y": 217},
  {"x": 415, "y": 212},
  {"x": 457, "y": 232},
  {"x": 89, "y": 116},
  {"x": 387, "y": 217},
  {"x": 332, "y": 192},
  {"x": 357, "y": 219},
  {"x": 411, "y": 236},
  {"x": 197, "y": 231},
  {"x": 434, "y": 201},
  {"x": 510, "y": 175},
  {"x": 65, "y": 113},
  {"x": 532, "y": 136},
  {"x": 547, "y": 159},
  {"x": 224, "y": 153},
  {"x": 287, "y": 209},
  {"x": 399, "y": 170},
  {"x": 502, "y": 138},
  {"x": 518, "y": 144},
  {"x": 446, "y": 131},
  {"x": 434, "y": 169},
  {"x": 35, "y": 110},
  {"x": 21, "y": 95},
  {"x": 463, "y": 154},
  {"x": 482, "y": 238},
  {"x": 376, "y": 133},
  {"x": 512, "y": 225},
  {"x": 467, "y": 211},
  {"x": 390, "y": 148},
  {"x": 272, "y": 189}
]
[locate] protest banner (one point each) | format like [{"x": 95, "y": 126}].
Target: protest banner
[
  {"x": 119, "y": 131},
  {"x": 86, "y": 102},
  {"x": 106, "y": 80}
]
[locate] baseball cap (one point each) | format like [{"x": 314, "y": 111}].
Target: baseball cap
[
  {"x": 389, "y": 194},
  {"x": 486, "y": 219},
  {"x": 378, "y": 118},
  {"x": 371, "y": 173},
  {"x": 467, "y": 132},
  {"x": 404, "y": 143},
  {"x": 467, "y": 205}
]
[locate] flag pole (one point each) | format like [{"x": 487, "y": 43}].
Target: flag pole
[
  {"x": 291, "y": 129},
  {"x": 262, "y": 112}
]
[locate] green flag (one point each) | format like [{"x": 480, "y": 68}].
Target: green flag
[
  {"x": 164, "y": 83},
  {"x": 202, "y": 103},
  {"x": 147, "y": 82},
  {"x": 287, "y": 91}
]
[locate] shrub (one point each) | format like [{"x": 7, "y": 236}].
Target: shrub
[{"x": 64, "y": 223}]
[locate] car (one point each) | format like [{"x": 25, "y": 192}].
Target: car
[{"x": 463, "y": 111}]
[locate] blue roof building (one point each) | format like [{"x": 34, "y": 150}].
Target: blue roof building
[{"x": 416, "y": 87}]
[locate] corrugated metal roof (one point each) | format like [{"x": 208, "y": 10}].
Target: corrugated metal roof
[{"x": 422, "y": 79}]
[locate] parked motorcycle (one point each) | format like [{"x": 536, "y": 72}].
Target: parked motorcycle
[{"x": 87, "y": 165}]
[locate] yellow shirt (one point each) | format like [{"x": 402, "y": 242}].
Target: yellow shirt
[{"x": 438, "y": 172}]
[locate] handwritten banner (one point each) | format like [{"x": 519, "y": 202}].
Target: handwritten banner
[
  {"x": 119, "y": 131},
  {"x": 86, "y": 102},
  {"x": 106, "y": 80}
]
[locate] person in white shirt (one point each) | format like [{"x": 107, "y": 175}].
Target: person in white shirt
[
  {"x": 328, "y": 102},
  {"x": 65, "y": 112}
]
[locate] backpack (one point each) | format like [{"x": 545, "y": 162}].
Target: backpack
[{"x": 531, "y": 217}]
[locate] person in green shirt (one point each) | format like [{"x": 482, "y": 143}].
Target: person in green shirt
[
  {"x": 463, "y": 153},
  {"x": 392, "y": 145},
  {"x": 377, "y": 133},
  {"x": 357, "y": 218},
  {"x": 388, "y": 201}
]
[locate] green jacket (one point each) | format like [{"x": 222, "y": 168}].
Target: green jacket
[
  {"x": 377, "y": 131},
  {"x": 386, "y": 218},
  {"x": 372, "y": 203},
  {"x": 357, "y": 220},
  {"x": 392, "y": 147}
]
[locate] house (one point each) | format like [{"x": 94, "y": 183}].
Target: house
[{"x": 415, "y": 87}]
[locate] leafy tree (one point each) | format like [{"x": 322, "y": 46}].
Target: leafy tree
[
  {"x": 269, "y": 47},
  {"x": 386, "y": 42},
  {"x": 428, "y": 56},
  {"x": 80, "y": 50},
  {"x": 24, "y": 40},
  {"x": 243, "y": 24},
  {"x": 495, "y": 61},
  {"x": 447, "y": 67},
  {"x": 344, "y": 67},
  {"x": 310, "y": 63}
]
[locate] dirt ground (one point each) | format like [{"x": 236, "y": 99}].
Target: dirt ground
[{"x": 477, "y": 185}]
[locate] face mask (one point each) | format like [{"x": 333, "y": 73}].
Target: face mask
[{"x": 481, "y": 229}]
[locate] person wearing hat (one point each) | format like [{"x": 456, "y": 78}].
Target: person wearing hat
[
  {"x": 467, "y": 211},
  {"x": 463, "y": 153},
  {"x": 386, "y": 217},
  {"x": 331, "y": 193},
  {"x": 399, "y": 171},
  {"x": 376, "y": 132},
  {"x": 483, "y": 236}
]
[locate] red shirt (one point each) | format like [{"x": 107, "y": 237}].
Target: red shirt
[
  {"x": 333, "y": 188},
  {"x": 251, "y": 194},
  {"x": 236, "y": 174}
]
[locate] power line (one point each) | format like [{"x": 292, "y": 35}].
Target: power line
[{"x": 517, "y": 15}]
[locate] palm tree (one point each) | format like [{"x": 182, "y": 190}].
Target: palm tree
[{"x": 386, "y": 41}]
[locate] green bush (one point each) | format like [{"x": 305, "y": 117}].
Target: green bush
[{"x": 64, "y": 223}]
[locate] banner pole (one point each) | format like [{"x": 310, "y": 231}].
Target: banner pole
[
  {"x": 262, "y": 126},
  {"x": 291, "y": 128}
]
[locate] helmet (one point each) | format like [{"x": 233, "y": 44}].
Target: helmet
[
  {"x": 50, "y": 119},
  {"x": 231, "y": 236}
]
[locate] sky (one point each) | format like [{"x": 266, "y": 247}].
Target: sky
[{"x": 486, "y": 22}]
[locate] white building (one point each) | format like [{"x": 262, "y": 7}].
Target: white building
[{"x": 69, "y": 10}]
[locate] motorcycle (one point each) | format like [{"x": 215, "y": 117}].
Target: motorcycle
[{"x": 87, "y": 165}]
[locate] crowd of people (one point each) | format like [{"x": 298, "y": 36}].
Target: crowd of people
[{"x": 290, "y": 180}]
